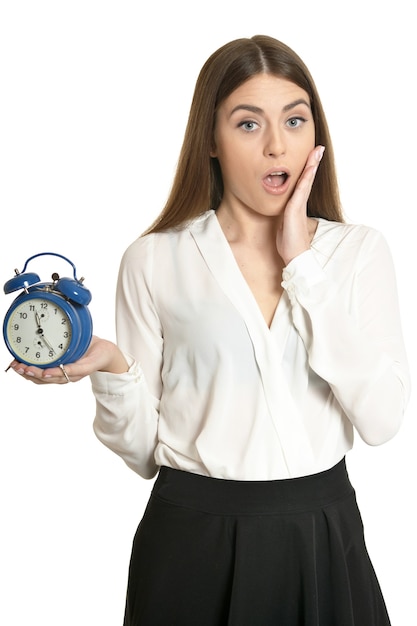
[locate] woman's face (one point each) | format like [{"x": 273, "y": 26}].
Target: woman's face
[{"x": 263, "y": 135}]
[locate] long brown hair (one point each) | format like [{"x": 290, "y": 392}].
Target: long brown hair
[{"x": 198, "y": 184}]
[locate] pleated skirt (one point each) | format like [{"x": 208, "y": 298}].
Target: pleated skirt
[{"x": 213, "y": 552}]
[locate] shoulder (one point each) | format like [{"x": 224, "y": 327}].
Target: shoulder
[
  {"x": 157, "y": 245},
  {"x": 340, "y": 230},
  {"x": 346, "y": 236}
]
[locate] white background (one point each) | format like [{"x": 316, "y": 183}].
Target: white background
[{"x": 93, "y": 105}]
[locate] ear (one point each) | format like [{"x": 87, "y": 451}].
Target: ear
[{"x": 213, "y": 148}]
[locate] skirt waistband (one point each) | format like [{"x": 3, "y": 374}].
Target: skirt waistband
[{"x": 231, "y": 497}]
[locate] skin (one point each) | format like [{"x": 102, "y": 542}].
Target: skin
[{"x": 268, "y": 124}]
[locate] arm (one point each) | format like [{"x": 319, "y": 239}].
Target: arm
[
  {"x": 352, "y": 332},
  {"x": 127, "y": 408},
  {"x": 128, "y": 405},
  {"x": 348, "y": 317}
]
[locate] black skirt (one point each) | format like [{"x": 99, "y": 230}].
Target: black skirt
[{"x": 212, "y": 552}]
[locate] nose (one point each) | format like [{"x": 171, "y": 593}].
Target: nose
[{"x": 274, "y": 142}]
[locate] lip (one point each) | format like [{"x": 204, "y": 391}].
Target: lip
[{"x": 272, "y": 189}]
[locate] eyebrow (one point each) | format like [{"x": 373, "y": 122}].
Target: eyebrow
[{"x": 255, "y": 109}]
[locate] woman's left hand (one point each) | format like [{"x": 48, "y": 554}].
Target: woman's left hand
[
  {"x": 101, "y": 356},
  {"x": 294, "y": 234}
]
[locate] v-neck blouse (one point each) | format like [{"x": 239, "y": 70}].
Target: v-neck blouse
[{"x": 213, "y": 390}]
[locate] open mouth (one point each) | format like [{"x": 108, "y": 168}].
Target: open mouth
[{"x": 276, "y": 179}]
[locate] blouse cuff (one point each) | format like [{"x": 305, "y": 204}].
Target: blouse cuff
[
  {"x": 301, "y": 274},
  {"x": 117, "y": 384}
]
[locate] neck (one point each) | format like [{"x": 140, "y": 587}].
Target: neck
[{"x": 250, "y": 228}]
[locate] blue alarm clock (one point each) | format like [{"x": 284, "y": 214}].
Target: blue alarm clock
[{"x": 49, "y": 323}]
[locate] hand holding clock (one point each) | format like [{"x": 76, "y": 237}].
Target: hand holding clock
[
  {"x": 59, "y": 309},
  {"x": 102, "y": 356}
]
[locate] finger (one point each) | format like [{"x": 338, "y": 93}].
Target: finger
[
  {"x": 60, "y": 375},
  {"x": 64, "y": 371},
  {"x": 39, "y": 375},
  {"x": 316, "y": 155},
  {"x": 312, "y": 164},
  {"x": 306, "y": 180},
  {"x": 35, "y": 375}
]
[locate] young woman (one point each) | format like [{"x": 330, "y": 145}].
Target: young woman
[{"x": 256, "y": 332}]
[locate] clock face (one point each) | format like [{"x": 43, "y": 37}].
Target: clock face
[{"x": 39, "y": 331}]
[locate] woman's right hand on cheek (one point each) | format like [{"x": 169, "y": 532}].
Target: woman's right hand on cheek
[
  {"x": 294, "y": 236},
  {"x": 101, "y": 356}
]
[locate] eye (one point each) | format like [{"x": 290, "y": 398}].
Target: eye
[
  {"x": 295, "y": 122},
  {"x": 249, "y": 126}
]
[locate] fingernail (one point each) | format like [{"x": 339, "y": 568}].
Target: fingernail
[
  {"x": 319, "y": 153},
  {"x": 30, "y": 374},
  {"x": 20, "y": 371}
]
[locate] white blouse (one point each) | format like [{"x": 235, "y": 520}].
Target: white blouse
[{"x": 213, "y": 390}]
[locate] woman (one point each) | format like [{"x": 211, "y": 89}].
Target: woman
[{"x": 256, "y": 332}]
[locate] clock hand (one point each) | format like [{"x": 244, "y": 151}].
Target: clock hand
[
  {"x": 46, "y": 342},
  {"x": 40, "y": 332}
]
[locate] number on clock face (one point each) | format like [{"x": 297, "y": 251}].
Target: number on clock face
[{"x": 39, "y": 331}]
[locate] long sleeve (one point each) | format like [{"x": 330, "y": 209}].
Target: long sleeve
[
  {"x": 128, "y": 405},
  {"x": 351, "y": 328},
  {"x": 212, "y": 389},
  {"x": 120, "y": 399}
]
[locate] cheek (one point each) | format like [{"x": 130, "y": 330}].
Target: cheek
[
  {"x": 310, "y": 139},
  {"x": 313, "y": 138},
  {"x": 306, "y": 149}
]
